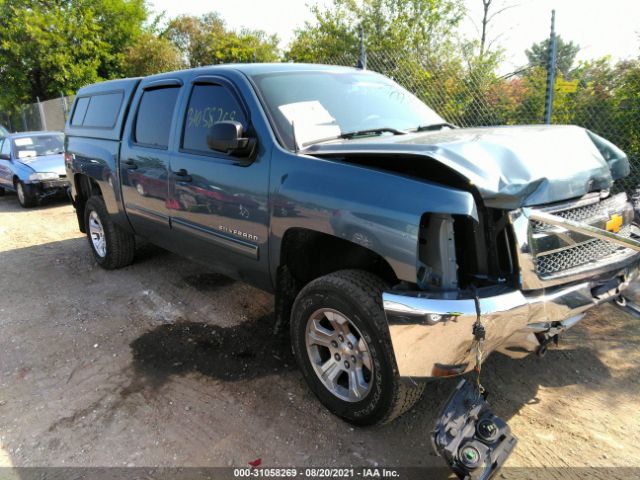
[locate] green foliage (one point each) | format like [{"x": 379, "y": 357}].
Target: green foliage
[
  {"x": 422, "y": 28},
  {"x": 205, "y": 40},
  {"x": 152, "y": 54},
  {"x": 538, "y": 55},
  {"x": 57, "y": 46}
]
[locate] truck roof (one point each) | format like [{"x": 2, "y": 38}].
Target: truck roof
[
  {"x": 249, "y": 69},
  {"x": 99, "y": 110}
]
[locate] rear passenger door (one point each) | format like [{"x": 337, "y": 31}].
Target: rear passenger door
[
  {"x": 221, "y": 214},
  {"x": 145, "y": 158}
]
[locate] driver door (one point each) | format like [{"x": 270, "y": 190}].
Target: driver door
[{"x": 219, "y": 202}]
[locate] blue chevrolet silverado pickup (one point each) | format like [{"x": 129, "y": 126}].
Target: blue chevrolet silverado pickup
[{"x": 384, "y": 232}]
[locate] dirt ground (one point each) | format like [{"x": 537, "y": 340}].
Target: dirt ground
[{"x": 165, "y": 363}]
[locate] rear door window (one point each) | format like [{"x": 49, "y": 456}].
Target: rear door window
[
  {"x": 155, "y": 112},
  {"x": 208, "y": 104}
]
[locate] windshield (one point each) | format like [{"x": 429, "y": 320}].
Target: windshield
[
  {"x": 326, "y": 105},
  {"x": 3, "y": 132},
  {"x": 38, "y": 145}
]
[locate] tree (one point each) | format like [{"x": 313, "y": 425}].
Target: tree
[
  {"x": 488, "y": 15},
  {"x": 57, "y": 46},
  {"x": 152, "y": 54},
  {"x": 206, "y": 40},
  {"x": 420, "y": 28},
  {"x": 538, "y": 55}
]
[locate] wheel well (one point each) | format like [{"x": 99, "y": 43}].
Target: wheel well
[
  {"x": 306, "y": 255},
  {"x": 309, "y": 254},
  {"x": 85, "y": 188}
]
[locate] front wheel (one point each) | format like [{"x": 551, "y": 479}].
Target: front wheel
[
  {"x": 112, "y": 246},
  {"x": 25, "y": 196},
  {"x": 341, "y": 342}
]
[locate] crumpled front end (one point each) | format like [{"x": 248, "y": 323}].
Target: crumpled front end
[{"x": 561, "y": 274}]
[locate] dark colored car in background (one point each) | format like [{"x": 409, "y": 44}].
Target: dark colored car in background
[{"x": 32, "y": 165}]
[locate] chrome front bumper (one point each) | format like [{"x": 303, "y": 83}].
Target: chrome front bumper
[{"x": 432, "y": 334}]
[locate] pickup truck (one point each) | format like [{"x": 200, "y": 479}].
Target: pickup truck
[{"x": 385, "y": 233}]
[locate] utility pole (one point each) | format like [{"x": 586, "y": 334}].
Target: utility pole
[
  {"x": 362, "y": 58},
  {"x": 551, "y": 70}
]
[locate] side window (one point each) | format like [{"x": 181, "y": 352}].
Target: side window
[
  {"x": 80, "y": 111},
  {"x": 5, "y": 149},
  {"x": 153, "y": 122},
  {"x": 208, "y": 104},
  {"x": 103, "y": 110}
]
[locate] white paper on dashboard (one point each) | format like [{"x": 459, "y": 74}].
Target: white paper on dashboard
[
  {"x": 311, "y": 121},
  {"x": 27, "y": 153},
  {"x": 22, "y": 142}
]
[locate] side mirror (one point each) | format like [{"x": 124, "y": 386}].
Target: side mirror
[
  {"x": 4, "y": 156},
  {"x": 228, "y": 137}
]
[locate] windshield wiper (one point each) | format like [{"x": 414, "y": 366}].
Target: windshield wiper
[
  {"x": 357, "y": 133},
  {"x": 433, "y": 126},
  {"x": 371, "y": 131}
]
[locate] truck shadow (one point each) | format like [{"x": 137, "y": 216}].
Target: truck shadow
[
  {"x": 250, "y": 350},
  {"x": 242, "y": 352}
]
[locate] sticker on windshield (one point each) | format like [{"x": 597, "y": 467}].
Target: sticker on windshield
[
  {"x": 23, "y": 142},
  {"x": 27, "y": 153},
  {"x": 311, "y": 121}
]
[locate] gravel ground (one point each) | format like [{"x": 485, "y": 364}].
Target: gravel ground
[{"x": 165, "y": 363}]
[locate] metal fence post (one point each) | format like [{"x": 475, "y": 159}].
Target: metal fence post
[
  {"x": 551, "y": 70},
  {"x": 25, "y": 128},
  {"x": 43, "y": 120},
  {"x": 65, "y": 106},
  {"x": 362, "y": 58}
]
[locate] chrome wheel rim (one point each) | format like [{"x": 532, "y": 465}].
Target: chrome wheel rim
[
  {"x": 339, "y": 355},
  {"x": 20, "y": 193},
  {"x": 140, "y": 189},
  {"x": 96, "y": 233}
]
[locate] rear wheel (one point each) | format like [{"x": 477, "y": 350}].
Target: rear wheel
[
  {"x": 25, "y": 196},
  {"x": 112, "y": 246},
  {"x": 2, "y": 192},
  {"x": 341, "y": 342}
]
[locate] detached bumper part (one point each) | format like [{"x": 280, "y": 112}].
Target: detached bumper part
[{"x": 432, "y": 334}]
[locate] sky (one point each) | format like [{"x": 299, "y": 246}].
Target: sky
[{"x": 600, "y": 28}]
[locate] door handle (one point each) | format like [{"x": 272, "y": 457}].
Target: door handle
[
  {"x": 182, "y": 175},
  {"x": 131, "y": 165}
]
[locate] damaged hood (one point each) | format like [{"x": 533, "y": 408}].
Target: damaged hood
[{"x": 511, "y": 166}]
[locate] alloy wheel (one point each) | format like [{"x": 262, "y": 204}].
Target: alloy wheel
[
  {"x": 339, "y": 355},
  {"x": 96, "y": 232}
]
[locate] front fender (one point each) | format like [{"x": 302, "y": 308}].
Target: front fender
[{"x": 380, "y": 210}]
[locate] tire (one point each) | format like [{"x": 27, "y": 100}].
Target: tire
[
  {"x": 112, "y": 246},
  {"x": 2, "y": 191},
  {"x": 25, "y": 197},
  {"x": 355, "y": 296}
]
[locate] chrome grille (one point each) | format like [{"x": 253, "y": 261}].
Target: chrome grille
[
  {"x": 580, "y": 214},
  {"x": 580, "y": 255},
  {"x": 550, "y": 255}
]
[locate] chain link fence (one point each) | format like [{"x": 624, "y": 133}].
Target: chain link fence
[
  {"x": 48, "y": 115},
  {"x": 474, "y": 97},
  {"x": 467, "y": 96}
]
